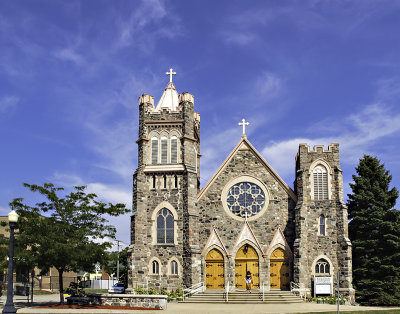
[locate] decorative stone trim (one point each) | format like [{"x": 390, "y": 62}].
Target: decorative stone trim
[
  {"x": 169, "y": 267},
  {"x": 322, "y": 256},
  {"x": 160, "y": 272},
  {"x": 167, "y": 205},
  {"x": 329, "y": 170},
  {"x": 239, "y": 180}
]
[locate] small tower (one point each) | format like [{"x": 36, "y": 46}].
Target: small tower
[
  {"x": 322, "y": 246},
  {"x": 164, "y": 221}
]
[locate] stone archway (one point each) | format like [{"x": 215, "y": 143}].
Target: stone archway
[
  {"x": 246, "y": 260},
  {"x": 215, "y": 270},
  {"x": 279, "y": 270}
]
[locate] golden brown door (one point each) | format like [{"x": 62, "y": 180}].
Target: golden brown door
[
  {"x": 246, "y": 260},
  {"x": 214, "y": 270},
  {"x": 279, "y": 270}
]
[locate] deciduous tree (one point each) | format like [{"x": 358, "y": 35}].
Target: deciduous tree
[{"x": 64, "y": 230}]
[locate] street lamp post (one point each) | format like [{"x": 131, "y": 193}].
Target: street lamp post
[{"x": 9, "y": 307}]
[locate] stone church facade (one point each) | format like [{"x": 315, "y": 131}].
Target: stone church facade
[{"x": 246, "y": 218}]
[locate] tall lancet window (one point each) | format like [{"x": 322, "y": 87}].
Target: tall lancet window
[
  {"x": 165, "y": 227},
  {"x": 320, "y": 176},
  {"x": 174, "y": 150},
  {"x": 322, "y": 225},
  {"x": 164, "y": 150},
  {"x": 154, "y": 150}
]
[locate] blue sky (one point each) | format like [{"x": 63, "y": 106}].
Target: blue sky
[{"x": 71, "y": 73}]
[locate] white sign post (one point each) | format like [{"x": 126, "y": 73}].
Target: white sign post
[{"x": 323, "y": 285}]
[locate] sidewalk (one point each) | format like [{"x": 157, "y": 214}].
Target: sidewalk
[{"x": 186, "y": 308}]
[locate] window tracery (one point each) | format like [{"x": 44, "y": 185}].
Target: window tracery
[
  {"x": 165, "y": 227},
  {"x": 322, "y": 267}
]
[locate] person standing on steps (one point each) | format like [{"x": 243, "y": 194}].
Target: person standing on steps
[{"x": 249, "y": 281}]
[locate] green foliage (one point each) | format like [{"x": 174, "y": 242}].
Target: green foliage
[
  {"x": 61, "y": 231},
  {"x": 74, "y": 290},
  {"x": 111, "y": 265},
  {"x": 327, "y": 300},
  {"x": 374, "y": 230},
  {"x": 172, "y": 295}
]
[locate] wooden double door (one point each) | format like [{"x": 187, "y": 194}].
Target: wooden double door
[
  {"x": 215, "y": 270},
  {"x": 246, "y": 260},
  {"x": 279, "y": 270}
]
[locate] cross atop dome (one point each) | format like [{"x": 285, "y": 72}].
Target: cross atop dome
[{"x": 170, "y": 73}]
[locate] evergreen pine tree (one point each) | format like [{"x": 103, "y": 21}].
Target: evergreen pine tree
[{"x": 374, "y": 230}]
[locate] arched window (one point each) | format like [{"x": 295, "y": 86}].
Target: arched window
[
  {"x": 165, "y": 227},
  {"x": 164, "y": 150},
  {"x": 322, "y": 267},
  {"x": 154, "y": 150},
  {"x": 174, "y": 150},
  {"x": 174, "y": 268},
  {"x": 322, "y": 225},
  {"x": 320, "y": 176},
  {"x": 156, "y": 268}
]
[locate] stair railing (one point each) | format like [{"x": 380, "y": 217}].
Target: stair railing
[
  {"x": 198, "y": 287},
  {"x": 227, "y": 292},
  {"x": 298, "y": 287},
  {"x": 264, "y": 287}
]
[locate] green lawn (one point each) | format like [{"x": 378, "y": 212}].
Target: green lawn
[
  {"x": 41, "y": 292},
  {"x": 358, "y": 312},
  {"x": 95, "y": 290}
]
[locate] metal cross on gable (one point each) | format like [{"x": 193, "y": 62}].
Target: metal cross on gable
[
  {"x": 244, "y": 123},
  {"x": 170, "y": 73}
]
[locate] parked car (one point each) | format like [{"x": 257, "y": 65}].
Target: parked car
[{"x": 117, "y": 288}]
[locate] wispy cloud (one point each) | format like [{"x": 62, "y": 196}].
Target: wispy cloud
[
  {"x": 357, "y": 135},
  {"x": 68, "y": 54},
  {"x": 7, "y": 103}
]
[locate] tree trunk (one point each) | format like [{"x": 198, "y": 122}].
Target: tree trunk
[{"x": 60, "y": 281}]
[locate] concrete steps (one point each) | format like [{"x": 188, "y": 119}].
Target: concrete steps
[{"x": 242, "y": 297}]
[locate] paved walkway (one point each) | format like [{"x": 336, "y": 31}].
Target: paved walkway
[{"x": 186, "y": 308}]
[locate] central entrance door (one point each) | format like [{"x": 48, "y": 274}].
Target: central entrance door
[
  {"x": 279, "y": 270},
  {"x": 246, "y": 260},
  {"x": 214, "y": 270}
]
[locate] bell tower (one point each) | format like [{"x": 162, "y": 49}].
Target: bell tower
[{"x": 164, "y": 221}]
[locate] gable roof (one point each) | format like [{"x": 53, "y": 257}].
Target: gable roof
[{"x": 245, "y": 143}]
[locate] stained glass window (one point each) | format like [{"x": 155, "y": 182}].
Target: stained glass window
[
  {"x": 156, "y": 268},
  {"x": 322, "y": 267},
  {"x": 165, "y": 227},
  {"x": 174, "y": 268},
  {"x": 245, "y": 198},
  {"x": 322, "y": 225}
]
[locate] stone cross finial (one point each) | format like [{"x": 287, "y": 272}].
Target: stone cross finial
[
  {"x": 170, "y": 73},
  {"x": 244, "y": 123}
]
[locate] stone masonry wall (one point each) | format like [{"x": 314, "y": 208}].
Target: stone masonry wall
[
  {"x": 280, "y": 213},
  {"x": 309, "y": 244},
  {"x": 146, "y": 198}
]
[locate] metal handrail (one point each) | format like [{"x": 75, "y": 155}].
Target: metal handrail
[
  {"x": 298, "y": 287},
  {"x": 198, "y": 287},
  {"x": 227, "y": 292}
]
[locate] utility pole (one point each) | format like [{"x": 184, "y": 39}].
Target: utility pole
[
  {"x": 338, "y": 296},
  {"x": 118, "y": 260}
]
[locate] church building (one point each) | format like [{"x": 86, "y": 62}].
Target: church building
[{"x": 246, "y": 218}]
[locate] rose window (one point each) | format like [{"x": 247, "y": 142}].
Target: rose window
[{"x": 245, "y": 197}]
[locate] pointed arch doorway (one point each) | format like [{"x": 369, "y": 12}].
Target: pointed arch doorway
[
  {"x": 279, "y": 270},
  {"x": 215, "y": 270},
  {"x": 246, "y": 260}
]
